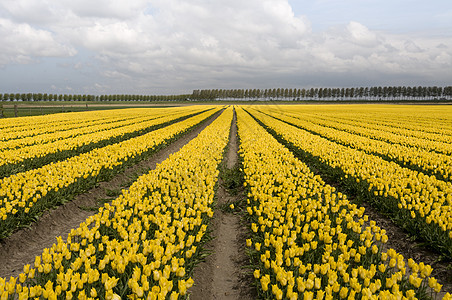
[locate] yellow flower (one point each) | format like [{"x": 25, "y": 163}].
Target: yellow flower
[
  {"x": 257, "y": 246},
  {"x": 111, "y": 283},
  {"x": 265, "y": 280},
  {"x": 182, "y": 286},
  {"x": 432, "y": 282},
  {"x": 93, "y": 293},
  {"x": 115, "y": 297},
  {"x": 174, "y": 295},
  {"x": 22, "y": 277},
  {"x": 308, "y": 296},
  {"x": 343, "y": 293}
]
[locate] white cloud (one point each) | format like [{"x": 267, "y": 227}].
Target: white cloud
[
  {"x": 21, "y": 43},
  {"x": 361, "y": 35},
  {"x": 444, "y": 59},
  {"x": 117, "y": 9},
  {"x": 114, "y": 37},
  {"x": 163, "y": 44},
  {"x": 41, "y": 12},
  {"x": 115, "y": 74}
]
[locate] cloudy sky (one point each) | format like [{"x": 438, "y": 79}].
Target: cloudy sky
[{"x": 175, "y": 46}]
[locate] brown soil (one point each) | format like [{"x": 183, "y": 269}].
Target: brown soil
[
  {"x": 22, "y": 247},
  {"x": 222, "y": 274}
]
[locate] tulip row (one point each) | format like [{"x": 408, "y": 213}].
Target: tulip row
[
  {"x": 415, "y": 121},
  {"x": 16, "y": 130},
  {"x": 82, "y": 128},
  {"x": 38, "y": 154},
  {"x": 438, "y": 142},
  {"x": 25, "y": 195},
  {"x": 420, "y": 203},
  {"x": 432, "y": 163},
  {"x": 308, "y": 241},
  {"x": 431, "y": 122},
  {"x": 142, "y": 245},
  {"x": 35, "y": 125}
]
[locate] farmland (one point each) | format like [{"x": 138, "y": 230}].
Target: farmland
[{"x": 312, "y": 188}]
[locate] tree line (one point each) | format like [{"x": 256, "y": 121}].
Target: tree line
[
  {"x": 376, "y": 93},
  {"x": 379, "y": 93},
  {"x": 70, "y": 97}
]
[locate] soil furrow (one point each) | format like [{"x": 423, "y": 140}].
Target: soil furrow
[
  {"x": 222, "y": 275},
  {"x": 22, "y": 247}
]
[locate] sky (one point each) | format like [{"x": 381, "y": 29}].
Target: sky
[{"x": 175, "y": 46}]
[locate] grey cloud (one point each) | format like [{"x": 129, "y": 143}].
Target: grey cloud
[
  {"x": 410, "y": 46},
  {"x": 169, "y": 46}
]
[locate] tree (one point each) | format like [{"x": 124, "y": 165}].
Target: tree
[
  {"x": 342, "y": 93},
  {"x": 303, "y": 93},
  {"x": 434, "y": 92},
  {"x": 348, "y": 94},
  {"x": 329, "y": 93},
  {"x": 447, "y": 92},
  {"x": 361, "y": 92},
  {"x": 320, "y": 93},
  {"x": 286, "y": 93},
  {"x": 298, "y": 94}
]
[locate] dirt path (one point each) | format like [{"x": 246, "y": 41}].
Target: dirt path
[
  {"x": 22, "y": 247},
  {"x": 222, "y": 275}
]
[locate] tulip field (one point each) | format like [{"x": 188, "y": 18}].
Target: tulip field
[{"x": 305, "y": 169}]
